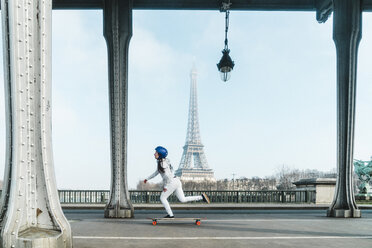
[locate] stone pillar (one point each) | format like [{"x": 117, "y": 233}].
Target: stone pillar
[
  {"x": 347, "y": 17},
  {"x": 30, "y": 212},
  {"x": 117, "y": 32}
]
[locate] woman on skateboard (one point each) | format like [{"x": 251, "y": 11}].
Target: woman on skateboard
[{"x": 171, "y": 183}]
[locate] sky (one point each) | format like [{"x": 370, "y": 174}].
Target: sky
[{"x": 278, "y": 108}]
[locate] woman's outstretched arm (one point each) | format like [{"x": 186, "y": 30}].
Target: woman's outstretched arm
[{"x": 151, "y": 176}]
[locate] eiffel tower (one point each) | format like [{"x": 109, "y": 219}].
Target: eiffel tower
[{"x": 193, "y": 165}]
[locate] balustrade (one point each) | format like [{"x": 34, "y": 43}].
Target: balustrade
[{"x": 216, "y": 196}]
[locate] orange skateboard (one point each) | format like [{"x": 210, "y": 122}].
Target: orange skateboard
[{"x": 197, "y": 220}]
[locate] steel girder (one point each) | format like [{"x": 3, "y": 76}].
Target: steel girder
[
  {"x": 347, "y": 33},
  {"x": 118, "y": 32}
]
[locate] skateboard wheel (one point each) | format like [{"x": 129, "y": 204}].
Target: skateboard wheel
[
  {"x": 198, "y": 223},
  {"x": 154, "y": 223}
]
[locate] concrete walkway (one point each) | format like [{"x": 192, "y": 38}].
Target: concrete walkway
[{"x": 222, "y": 228}]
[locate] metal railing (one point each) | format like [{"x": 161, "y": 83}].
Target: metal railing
[
  {"x": 84, "y": 196},
  {"x": 216, "y": 196}
]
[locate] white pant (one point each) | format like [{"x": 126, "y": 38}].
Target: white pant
[{"x": 175, "y": 186}]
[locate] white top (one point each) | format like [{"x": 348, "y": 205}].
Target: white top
[{"x": 168, "y": 172}]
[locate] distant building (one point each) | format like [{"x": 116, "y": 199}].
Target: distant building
[
  {"x": 241, "y": 184},
  {"x": 247, "y": 184}
]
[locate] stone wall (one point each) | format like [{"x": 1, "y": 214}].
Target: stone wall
[{"x": 324, "y": 187}]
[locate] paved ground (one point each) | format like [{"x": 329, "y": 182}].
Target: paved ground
[{"x": 222, "y": 228}]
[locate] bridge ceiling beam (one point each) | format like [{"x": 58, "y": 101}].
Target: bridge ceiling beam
[
  {"x": 273, "y": 5},
  {"x": 196, "y": 4}
]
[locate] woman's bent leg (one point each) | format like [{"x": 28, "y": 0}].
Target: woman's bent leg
[{"x": 182, "y": 198}]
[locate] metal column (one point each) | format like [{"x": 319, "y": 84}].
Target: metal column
[
  {"x": 346, "y": 35},
  {"x": 30, "y": 214},
  {"x": 117, "y": 32}
]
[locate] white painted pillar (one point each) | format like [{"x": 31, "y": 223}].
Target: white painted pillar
[{"x": 31, "y": 215}]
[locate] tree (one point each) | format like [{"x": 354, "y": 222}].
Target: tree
[
  {"x": 149, "y": 186},
  {"x": 286, "y": 176}
]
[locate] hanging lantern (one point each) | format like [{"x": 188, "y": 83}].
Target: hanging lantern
[{"x": 226, "y": 65}]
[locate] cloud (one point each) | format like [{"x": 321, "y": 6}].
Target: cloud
[
  {"x": 154, "y": 65},
  {"x": 80, "y": 100}
]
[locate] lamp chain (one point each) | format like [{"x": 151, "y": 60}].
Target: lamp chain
[
  {"x": 227, "y": 29},
  {"x": 226, "y": 7}
]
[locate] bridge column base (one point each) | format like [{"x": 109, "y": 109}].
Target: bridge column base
[
  {"x": 119, "y": 213},
  {"x": 344, "y": 213},
  {"x": 40, "y": 237}
]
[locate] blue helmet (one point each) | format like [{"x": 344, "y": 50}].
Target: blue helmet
[{"x": 161, "y": 151}]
